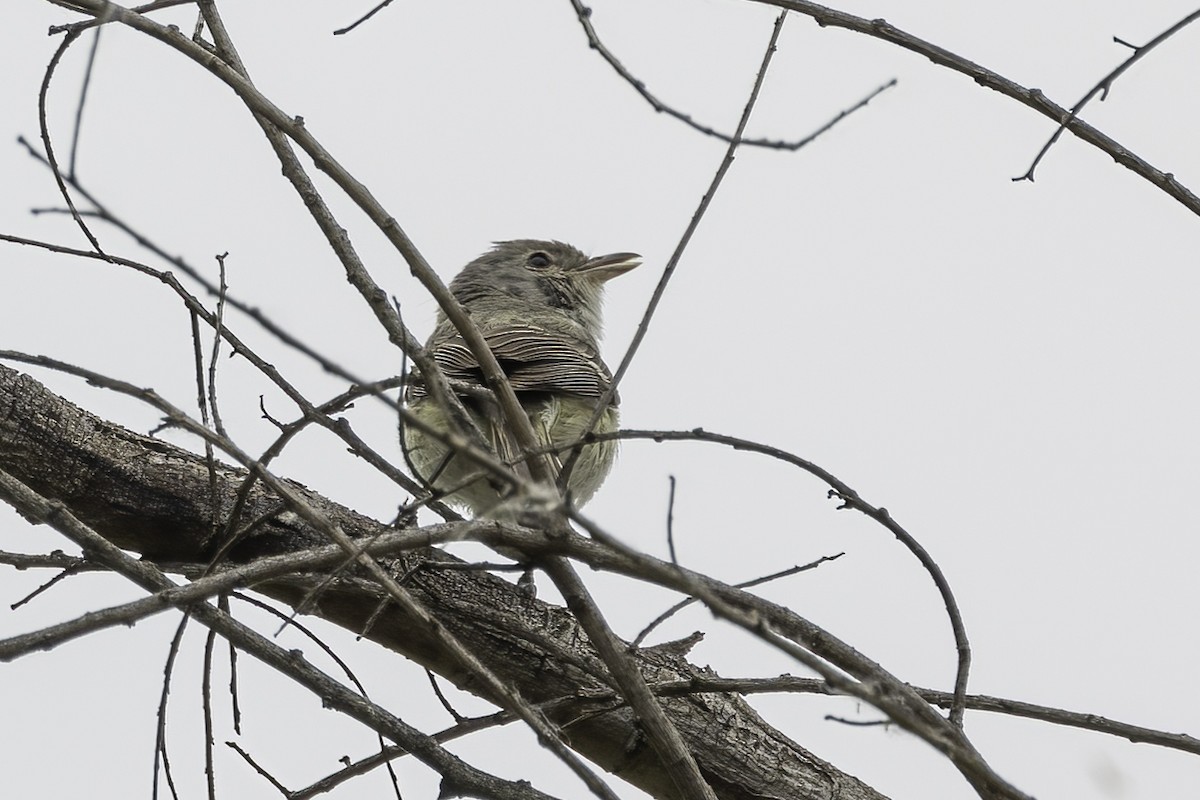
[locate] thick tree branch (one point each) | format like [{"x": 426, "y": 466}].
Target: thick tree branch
[
  {"x": 454, "y": 771},
  {"x": 152, "y": 498}
]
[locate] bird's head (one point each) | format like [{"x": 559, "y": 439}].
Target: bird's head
[{"x": 528, "y": 275}]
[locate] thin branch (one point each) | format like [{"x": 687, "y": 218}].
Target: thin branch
[
  {"x": 339, "y": 428},
  {"x": 276, "y": 125},
  {"x": 66, "y": 573},
  {"x": 278, "y": 128},
  {"x": 254, "y": 765},
  {"x": 44, "y": 124},
  {"x": 701, "y": 684},
  {"x": 675, "y": 756},
  {"x": 671, "y": 520},
  {"x": 841, "y": 115},
  {"x": 83, "y": 93},
  {"x": 850, "y": 499},
  {"x": 210, "y": 774},
  {"x": 1033, "y": 98},
  {"x": 202, "y": 405},
  {"x": 209, "y": 585},
  {"x": 79, "y": 27},
  {"x": 102, "y": 212},
  {"x": 584, "y": 15},
  {"x": 230, "y": 535},
  {"x": 55, "y": 560},
  {"x": 387, "y": 754},
  {"x": 329, "y": 651},
  {"x": 853, "y": 673},
  {"x": 235, "y": 709},
  {"x": 378, "y": 7},
  {"x": 682, "y": 604},
  {"x": 218, "y": 328},
  {"x": 1102, "y": 88},
  {"x": 975, "y": 702},
  {"x": 669, "y": 270},
  {"x": 445, "y": 702},
  {"x": 160, "y": 735},
  {"x": 1074, "y": 719}
]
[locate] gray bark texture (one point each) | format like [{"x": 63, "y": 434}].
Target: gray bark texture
[{"x": 155, "y": 499}]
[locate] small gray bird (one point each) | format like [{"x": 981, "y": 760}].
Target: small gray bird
[{"x": 538, "y": 306}]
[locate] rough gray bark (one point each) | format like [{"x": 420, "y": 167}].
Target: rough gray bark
[{"x": 153, "y": 498}]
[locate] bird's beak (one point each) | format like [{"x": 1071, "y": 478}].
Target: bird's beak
[{"x": 603, "y": 268}]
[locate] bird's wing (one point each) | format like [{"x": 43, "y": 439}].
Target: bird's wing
[{"x": 534, "y": 358}]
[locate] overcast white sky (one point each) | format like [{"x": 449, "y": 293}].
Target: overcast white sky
[{"x": 1009, "y": 368}]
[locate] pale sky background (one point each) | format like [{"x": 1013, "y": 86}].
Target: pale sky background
[{"x": 1009, "y": 368}]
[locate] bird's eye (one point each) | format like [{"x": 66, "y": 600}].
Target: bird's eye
[{"x": 539, "y": 260}]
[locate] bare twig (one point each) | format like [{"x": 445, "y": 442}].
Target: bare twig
[
  {"x": 584, "y": 14},
  {"x": 73, "y": 569},
  {"x": 254, "y": 765},
  {"x": 210, "y": 774},
  {"x": 202, "y": 405},
  {"x": 322, "y": 415},
  {"x": 391, "y": 752},
  {"x": 83, "y": 93},
  {"x": 445, "y": 702},
  {"x": 209, "y": 585},
  {"x": 44, "y": 124},
  {"x": 329, "y": 651},
  {"x": 218, "y": 328},
  {"x": 682, "y": 604},
  {"x": 1102, "y": 88},
  {"x": 102, "y": 18},
  {"x": 850, "y": 499},
  {"x": 277, "y": 125},
  {"x": 160, "y": 738},
  {"x": 858, "y": 723},
  {"x": 378, "y": 7},
  {"x": 278, "y": 128},
  {"x": 54, "y": 560},
  {"x": 102, "y": 212},
  {"x": 676, "y": 759},
  {"x": 671, "y": 520},
  {"x": 235, "y": 710},
  {"x": 975, "y": 702},
  {"x": 669, "y": 270},
  {"x": 843, "y": 667},
  {"x": 1033, "y": 98},
  {"x": 338, "y": 428},
  {"x": 674, "y": 755}
]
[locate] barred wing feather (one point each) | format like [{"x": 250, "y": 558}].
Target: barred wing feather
[{"x": 535, "y": 360}]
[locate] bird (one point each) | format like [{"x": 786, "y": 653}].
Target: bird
[{"x": 538, "y": 305}]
